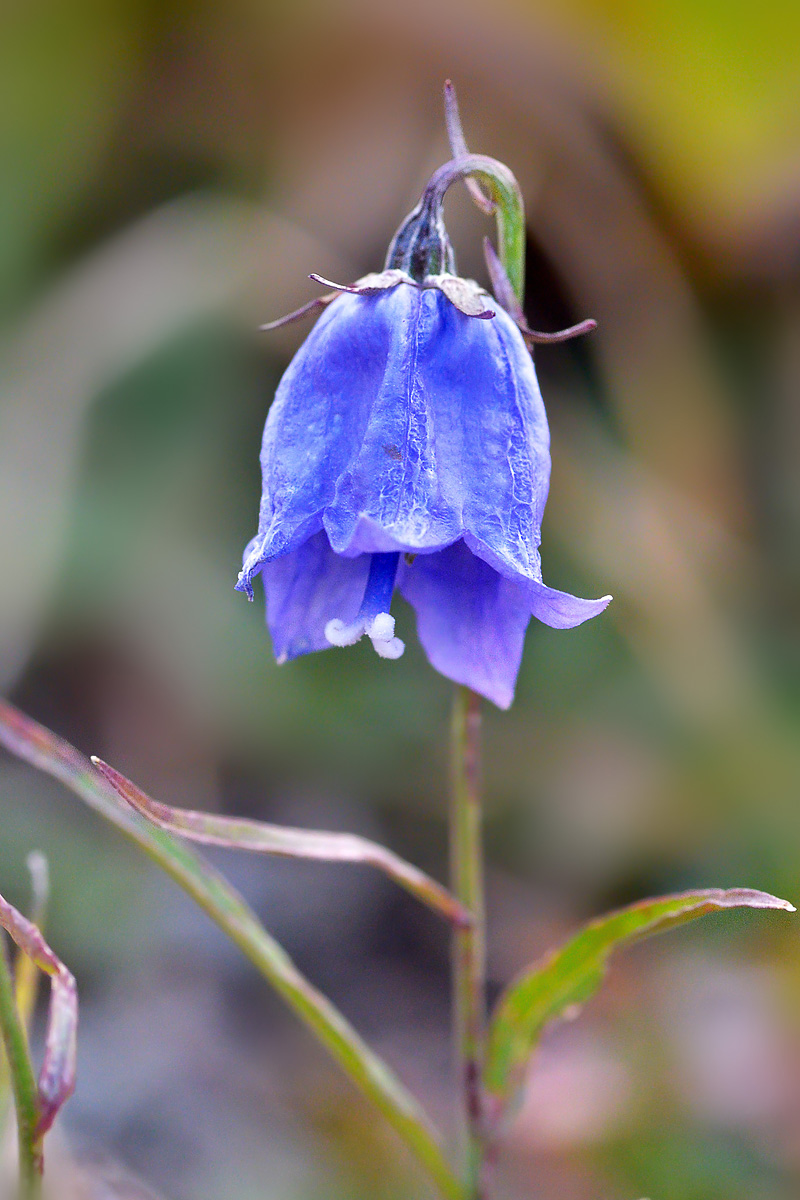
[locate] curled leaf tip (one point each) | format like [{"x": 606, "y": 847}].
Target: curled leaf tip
[{"x": 743, "y": 897}]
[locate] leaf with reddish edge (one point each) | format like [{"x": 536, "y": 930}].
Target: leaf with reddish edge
[
  {"x": 43, "y": 749},
  {"x": 239, "y": 833},
  {"x": 57, "y": 1075},
  {"x": 566, "y": 978}
]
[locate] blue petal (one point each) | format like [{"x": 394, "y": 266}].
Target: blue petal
[
  {"x": 470, "y": 620},
  {"x": 318, "y": 419},
  {"x": 457, "y": 440},
  {"x": 560, "y": 610},
  {"x": 401, "y": 424},
  {"x": 307, "y": 588},
  {"x": 505, "y": 453}
]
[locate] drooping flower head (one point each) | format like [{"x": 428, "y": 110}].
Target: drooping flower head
[{"x": 408, "y": 448}]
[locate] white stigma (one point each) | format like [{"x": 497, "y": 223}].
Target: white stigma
[
  {"x": 339, "y": 634},
  {"x": 379, "y": 629},
  {"x": 381, "y": 633}
]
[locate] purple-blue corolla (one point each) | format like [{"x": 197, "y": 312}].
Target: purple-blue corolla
[{"x": 408, "y": 448}]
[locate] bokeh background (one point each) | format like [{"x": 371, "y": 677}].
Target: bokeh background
[{"x": 170, "y": 173}]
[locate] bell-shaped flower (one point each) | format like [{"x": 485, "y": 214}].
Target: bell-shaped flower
[{"x": 408, "y": 448}]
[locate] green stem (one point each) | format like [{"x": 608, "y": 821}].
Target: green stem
[
  {"x": 469, "y": 951},
  {"x": 23, "y": 1084},
  {"x": 509, "y": 207},
  {"x": 466, "y": 849}
]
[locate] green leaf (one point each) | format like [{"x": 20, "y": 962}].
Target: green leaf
[
  {"x": 566, "y": 978},
  {"x": 239, "y": 833},
  {"x": 213, "y": 893}
]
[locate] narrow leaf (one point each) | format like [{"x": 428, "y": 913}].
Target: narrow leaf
[
  {"x": 57, "y": 1076},
  {"x": 238, "y": 833},
  {"x": 212, "y": 892},
  {"x": 569, "y": 976}
]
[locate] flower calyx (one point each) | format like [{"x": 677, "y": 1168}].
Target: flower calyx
[
  {"x": 420, "y": 255},
  {"x": 465, "y": 294}
]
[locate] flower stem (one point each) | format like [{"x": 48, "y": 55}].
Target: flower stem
[
  {"x": 504, "y": 200},
  {"x": 23, "y": 1084},
  {"x": 509, "y": 208},
  {"x": 469, "y": 954}
]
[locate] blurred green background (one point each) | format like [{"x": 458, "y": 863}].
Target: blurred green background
[{"x": 169, "y": 175}]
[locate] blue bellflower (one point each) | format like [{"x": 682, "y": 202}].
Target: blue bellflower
[{"x": 408, "y": 448}]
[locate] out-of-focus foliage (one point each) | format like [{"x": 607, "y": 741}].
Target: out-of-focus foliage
[
  {"x": 169, "y": 174},
  {"x": 708, "y": 96}
]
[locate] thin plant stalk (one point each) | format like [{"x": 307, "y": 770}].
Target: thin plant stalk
[
  {"x": 469, "y": 944},
  {"x": 23, "y": 1084},
  {"x": 504, "y": 201}
]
